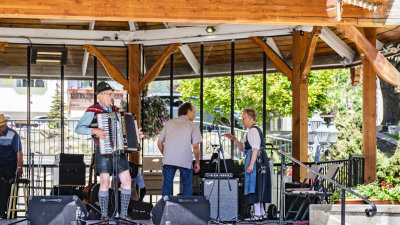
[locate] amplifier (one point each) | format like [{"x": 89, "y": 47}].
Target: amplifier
[
  {"x": 228, "y": 199},
  {"x": 68, "y": 158},
  {"x": 70, "y": 174},
  {"x": 218, "y": 175},
  {"x": 181, "y": 210},
  {"x": 55, "y": 210}
]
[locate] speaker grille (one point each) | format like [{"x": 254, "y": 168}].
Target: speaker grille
[{"x": 228, "y": 209}]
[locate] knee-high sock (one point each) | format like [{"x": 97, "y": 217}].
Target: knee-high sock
[
  {"x": 125, "y": 198},
  {"x": 262, "y": 210},
  {"x": 103, "y": 200},
  {"x": 257, "y": 209}
]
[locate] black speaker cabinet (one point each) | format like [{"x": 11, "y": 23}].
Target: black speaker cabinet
[
  {"x": 228, "y": 199},
  {"x": 70, "y": 174},
  {"x": 181, "y": 210},
  {"x": 55, "y": 210},
  {"x": 68, "y": 158}
]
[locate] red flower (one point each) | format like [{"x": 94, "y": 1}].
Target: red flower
[
  {"x": 390, "y": 186},
  {"x": 383, "y": 183},
  {"x": 381, "y": 188}
]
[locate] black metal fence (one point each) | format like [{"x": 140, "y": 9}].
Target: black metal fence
[{"x": 350, "y": 174}]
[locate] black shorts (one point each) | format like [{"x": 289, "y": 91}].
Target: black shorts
[{"x": 104, "y": 163}]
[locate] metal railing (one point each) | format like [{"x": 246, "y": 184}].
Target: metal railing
[
  {"x": 46, "y": 137},
  {"x": 349, "y": 175},
  {"x": 369, "y": 212}
]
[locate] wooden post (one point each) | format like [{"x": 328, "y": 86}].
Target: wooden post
[
  {"x": 300, "y": 104},
  {"x": 134, "y": 85},
  {"x": 369, "y": 112},
  {"x": 134, "y": 91}
]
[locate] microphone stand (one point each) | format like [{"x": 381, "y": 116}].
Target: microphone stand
[
  {"x": 220, "y": 150},
  {"x": 116, "y": 156}
]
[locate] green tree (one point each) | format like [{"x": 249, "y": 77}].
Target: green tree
[
  {"x": 248, "y": 93},
  {"x": 55, "y": 110}
]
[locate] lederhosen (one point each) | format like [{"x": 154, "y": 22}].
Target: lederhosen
[
  {"x": 263, "y": 191},
  {"x": 104, "y": 163}
]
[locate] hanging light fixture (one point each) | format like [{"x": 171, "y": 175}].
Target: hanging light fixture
[
  {"x": 210, "y": 29},
  {"x": 47, "y": 54}
]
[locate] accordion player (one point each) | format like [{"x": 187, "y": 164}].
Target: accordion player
[{"x": 122, "y": 132}]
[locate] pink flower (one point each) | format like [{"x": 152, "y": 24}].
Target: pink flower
[
  {"x": 390, "y": 186},
  {"x": 381, "y": 188},
  {"x": 383, "y": 183}
]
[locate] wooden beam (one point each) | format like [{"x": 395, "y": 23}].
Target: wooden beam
[
  {"x": 379, "y": 63},
  {"x": 355, "y": 75},
  {"x": 157, "y": 66},
  {"x": 3, "y": 45},
  {"x": 334, "y": 9},
  {"x": 308, "y": 59},
  {"x": 369, "y": 108},
  {"x": 276, "y": 12},
  {"x": 145, "y": 37},
  {"x": 300, "y": 105},
  {"x": 339, "y": 46},
  {"x": 190, "y": 58},
  {"x": 132, "y": 26},
  {"x": 277, "y": 61},
  {"x": 86, "y": 54},
  {"x": 271, "y": 43},
  {"x": 108, "y": 66},
  {"x": 134, "y": 92}
]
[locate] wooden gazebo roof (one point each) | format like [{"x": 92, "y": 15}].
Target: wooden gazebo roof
[{"x": 248, "y": 55}]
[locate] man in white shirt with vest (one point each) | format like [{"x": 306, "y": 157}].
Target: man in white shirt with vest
[{"x": 176, "y": 141}]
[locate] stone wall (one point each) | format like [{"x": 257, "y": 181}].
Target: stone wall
[{"x": 355, "y": 215}]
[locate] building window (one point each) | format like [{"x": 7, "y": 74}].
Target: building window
[{"x": 34, "y": 83}]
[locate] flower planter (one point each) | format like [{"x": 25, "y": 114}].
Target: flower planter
[
  {"x": 375, "y": 201},
  {"x": 350, "y": 201},
  {"x": 384, "y": 202}
]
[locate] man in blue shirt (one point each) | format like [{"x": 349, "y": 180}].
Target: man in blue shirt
[{"x": 10, "y": 161}]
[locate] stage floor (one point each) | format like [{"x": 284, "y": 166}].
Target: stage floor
[{"x": 148, "y": 222}]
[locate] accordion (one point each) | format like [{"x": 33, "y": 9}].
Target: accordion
[{"x": 121, "y": 132}]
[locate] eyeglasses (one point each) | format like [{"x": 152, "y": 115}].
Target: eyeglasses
[{"x": 111, "y": 93}]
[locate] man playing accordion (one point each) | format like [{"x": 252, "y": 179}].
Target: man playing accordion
[{"x": 104, "y": 163}]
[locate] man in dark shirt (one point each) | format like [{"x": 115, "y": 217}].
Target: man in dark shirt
[{"x": 10, "y": 161}]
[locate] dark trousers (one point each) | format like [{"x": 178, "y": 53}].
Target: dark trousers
[{"x": 6, "y": 173}]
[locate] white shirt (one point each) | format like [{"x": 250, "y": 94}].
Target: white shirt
[
  {"x": 254, "y": 138},
  {"x": 178, "y": 136}
]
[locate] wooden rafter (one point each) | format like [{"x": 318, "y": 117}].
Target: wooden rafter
[
  {"x": 157, "y": 66},
  {"x": 308, "y": 58},
  {"x": 3, "y": 45},
  {"x": 108, "y": 66},
  {"x": 334, "y": 9},
  {"x": 279, "y": 64},
  {"x": 380, "y": 64}
]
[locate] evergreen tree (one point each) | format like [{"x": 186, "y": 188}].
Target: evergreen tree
[{"x": 55, "y": 110}]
